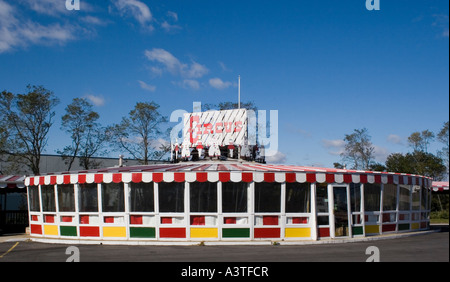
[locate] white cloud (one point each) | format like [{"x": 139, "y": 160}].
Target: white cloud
[
  {"x": 136, "y": 9},
  {"x": 96, "y": 100},
  {"x": 219, "y": 84},
  {"x": 380, "y": 153},
  {"x": 19, "y": 32},
  {"x": 190, "y": 84},
  {"x": 173, "y": 15},
  {"x": 146, "y": 86},
  {"x": 278, "y": 158},
  {"x": 168, "y": 62},
  {"x": 336, "y": 145},
  {"x": 395, "y": 139},
  {"x": 170, "y": 27}
]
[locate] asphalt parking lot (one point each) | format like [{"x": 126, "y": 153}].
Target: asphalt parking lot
[{"x": 431, "y": 247}]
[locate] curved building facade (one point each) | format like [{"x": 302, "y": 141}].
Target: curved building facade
[{"x": 225, "y": 201}]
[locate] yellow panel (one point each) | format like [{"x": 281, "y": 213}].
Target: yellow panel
[
  {"x": 297, "y": 232},
  {"x": 372, "y": 229},
  {"x": 415, "y": 226},
  {"x": 204, "y": 233},
  {"x": 51, "y": 230},
  {"x": 114, "y": 232}
]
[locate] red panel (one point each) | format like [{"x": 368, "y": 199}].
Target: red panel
[
  {"x": 388, "y": 227},
  {"x": 178, "y": 176},
  {"x": 329, "y": 178},
  {"x": 98, "y": 178},
  {"x": 269, "y": 177},
  {"x": 66, "y": 218},
  {"x": 311, "y": 177},
  {"x": 247, "y": 177},
  {"x": 363, "y": 178},
  {"x": 377, "y": 178},
  {"x": 136, "y": 177},
  {"x": 224, "y": 176},
  {"x": 299, "y": 220},
  {"x": 202, "y": 176},
  {"x": 53, "y": 179},
  {"x": 84, "y": 219},
  {"x": 347, "y": 178},
  {"x": 197, "y": 220},
  {"x": 89, "y": 231},
  {"x": 31, "y": 181},
  {"x": 42, "y": 180},
  {"x": 267, "y": 232},
  {"x": 82, "y": 178},
  {"x": 230, "y": 220},
  {"x": 35, "y": 229},
  {"x": 49, "y": 218},
  {"x": 135, "y": 219},
  {"x": 270, "y": 220},
  {"x": 108, "y": 219},
  {"x": 117, "y": 177},
  {"x": 290, "y": 177},
  {"x": 34, "y": 218},
  {"x": 324, "y": 232},
  {"x": 157, "y": 177},
  {"x": 172, "y": 232},
  {"x": 66, "y": 179},
  {"x": 166, "y": 220}
]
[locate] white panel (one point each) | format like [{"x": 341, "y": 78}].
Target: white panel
[
  {"x": 339, "y": 178},
  {"x": 320, "y": 177},
  {"x": 301, "y": 177}
]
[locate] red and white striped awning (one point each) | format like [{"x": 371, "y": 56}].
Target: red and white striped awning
[
  {"x": 12, "y": 181},
  {"x": 439, "y": 186},
  {"x": 225, "y": 172}
]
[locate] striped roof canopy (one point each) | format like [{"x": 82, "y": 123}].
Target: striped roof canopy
[
  {"x": 225, "y": 172},
  {"x": 439, "y": 186},
  {"x": 12, "y": 181}
]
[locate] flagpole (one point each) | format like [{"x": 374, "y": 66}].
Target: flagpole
[{"x": 239, "y": 92}]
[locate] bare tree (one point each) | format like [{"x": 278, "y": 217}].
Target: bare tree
[{"x": 358, "y": 149}]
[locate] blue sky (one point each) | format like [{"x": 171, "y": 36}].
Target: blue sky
[{"x": 327, "y": 66}]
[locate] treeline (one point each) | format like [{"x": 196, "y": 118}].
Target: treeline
[
  {"x": 359, "y": 154},
  {"x": 26, "y": 120}
]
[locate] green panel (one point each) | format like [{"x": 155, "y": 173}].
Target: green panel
[
  {"x": 404, "y": 226},
  {"x": 357, "y": 230},
  {"x": 236, "y": 233},
  {"x": 142, "y": 232},
  {"x": 68, "y": 230}
]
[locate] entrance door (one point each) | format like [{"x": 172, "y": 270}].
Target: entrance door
[{"x": 341, "y": 211}]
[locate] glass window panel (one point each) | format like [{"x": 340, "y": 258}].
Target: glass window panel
[
  {"x": 267, "y": 197},
  {"x": 113, "y": 197},
  {"x": 416, "y": 198},
  {"x": 142, "y": 197},
  {"x": 66, "y": 198},
  {"x": 48, "y": 198},
  {"x": 298, "y": 197},
  {"x": 355, "y": 197},
  {"x": 234, "y": 197},
  {"x": 171, "y": 197},
  {"x": 203, "y": 197},
  {"x": 322, "y": 197},
  {"x": 404, "y": 201},
  {"x": 33, "y": 195},
  {"x": 423, "y": 201},
  {"x": 88, "y": 197},
  {"x": 389, "y": 197},
  {"x": 372, "y": 197}
]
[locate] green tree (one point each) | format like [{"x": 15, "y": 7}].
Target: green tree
[
  {"x": 419, "y": 141},
  {"x": 88, "y": 137},
  {"x": 358, "y": 150},
  {"x": 139, "y": 133},
  {"x": 443, "y": 137},
  {"x": 417, "y": 162}
]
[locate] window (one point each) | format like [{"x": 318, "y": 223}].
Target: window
[
  {"x": 298, "y": 197},
  {"x": 322, "y": 197},
  {"x": 404, "y": 201},
  {"x": 142, "y": 197},
  {"x": 113, "y": 197},
  {"x": 66, "y": 198},
  {"x": 203, "y": 197},
  {"x": 267, "y": 197},
  {"x": 33, "y": 194},
  {"x": 88, "y": 197},
  {"x": 423, "y": 201},
  {"x": 355, "y": 197},
  {"x": 48, "y": 198},
  {"x": 171, "y": 197},
  {"x": 372, "y": 197},
  {"x": 234, "y": 197},
  {"x": 416, "y": 197},
  {"x": 390, "y": 197}
]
